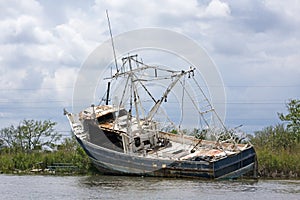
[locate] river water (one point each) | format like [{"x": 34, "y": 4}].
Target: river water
[{"x": 121, "y": 187}]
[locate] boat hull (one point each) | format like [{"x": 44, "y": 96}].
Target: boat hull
[{"x": 110, "y": 161}]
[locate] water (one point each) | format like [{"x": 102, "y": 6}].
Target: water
[{"x": 120, "y": 187}]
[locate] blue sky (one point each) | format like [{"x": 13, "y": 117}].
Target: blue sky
[{"x": 255, "y": 45}]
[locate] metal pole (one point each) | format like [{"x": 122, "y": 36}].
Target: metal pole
[{"x": 112, "y": 42}]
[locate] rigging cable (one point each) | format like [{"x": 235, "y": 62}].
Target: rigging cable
[
  {"x": 182, "y": 100},
  {"x": 196, "y": 106},
  {"x": 218, "y": 117}
]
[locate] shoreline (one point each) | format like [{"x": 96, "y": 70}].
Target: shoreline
[
  {"x": 38, "y": 172},
  {"x": 62, "y": 163}
]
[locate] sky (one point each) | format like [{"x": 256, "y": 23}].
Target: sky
[{"x": 255, "y": 45}]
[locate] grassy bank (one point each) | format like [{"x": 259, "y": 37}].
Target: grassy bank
[
  {"x": 67, "y": 160},
  {"x": 278, "y": 147},
  {"x": 280, "y": 164},
  {"x": 70, "y": 158}
]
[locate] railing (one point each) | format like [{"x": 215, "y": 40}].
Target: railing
[{"x": 62, "y": 167}]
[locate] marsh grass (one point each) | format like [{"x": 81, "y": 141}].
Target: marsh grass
[{"x": 24, "y": 162}]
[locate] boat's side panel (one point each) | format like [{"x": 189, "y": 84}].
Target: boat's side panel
[
  {"x": 104, "y": 155},
  {"x": 244, "y": 159},
  {"x": 101, "y": 138},
  {"x": 120, "y": 163},
  {"x": 116, "y": 162}
]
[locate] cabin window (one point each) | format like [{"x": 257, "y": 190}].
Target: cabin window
[
  {"x": 146, "y": 142},
  {"x": 105, "y": 118},
  {"x": 137, "y": 141},
  {"x": 122, "y": 112}
]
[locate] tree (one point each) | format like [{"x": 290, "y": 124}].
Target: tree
[
  {"x": 293, "y": 118},
  {"x": 199, "y": 133},
  {"x": 7, "y": 136},
  {"x": 274, "y": 138},
  {"x": 30, "y": 135}
]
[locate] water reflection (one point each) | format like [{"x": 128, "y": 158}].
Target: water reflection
[
  {"x": 122, "y": 187},
  {"x": 160, "y": 188},
  {"x": 161, "y": 185}
]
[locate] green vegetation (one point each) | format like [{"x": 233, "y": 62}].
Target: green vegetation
[
  {"x": 29, "y": 135},
  {"x": 32, "y": 147},
  {"x": 278, "y": 147}
]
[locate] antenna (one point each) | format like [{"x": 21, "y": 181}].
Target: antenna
[{"x": 112, "y": 41}]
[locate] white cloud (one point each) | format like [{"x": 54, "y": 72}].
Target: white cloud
[
  {"x": 15, "y": 8},
  {"x": 61, "y": 83},
  {"x": 11, "y": 78},
  {"x": 217, "y": 8},
  {"x": 42, "y": 45},
  {"x": 288, "y": 8}
]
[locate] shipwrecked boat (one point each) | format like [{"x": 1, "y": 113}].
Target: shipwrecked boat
[{"x": 127, "y": 137}]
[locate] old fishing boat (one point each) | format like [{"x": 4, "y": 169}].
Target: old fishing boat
[{"x": 133, "y": 135}]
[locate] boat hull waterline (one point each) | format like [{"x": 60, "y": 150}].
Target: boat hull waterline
[{"x": 108, "y": 161}]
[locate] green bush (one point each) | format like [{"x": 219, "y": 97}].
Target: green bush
[
  {"x": 69, "y": 152},
  {"x": 281, "y": 163}
]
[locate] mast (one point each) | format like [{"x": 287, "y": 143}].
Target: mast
[
  {"x": 129, "y": 115},
  {"x": 112, "y": 42},
  {"x": 115, "y": 58},
  {"x": 107, "y": 93}
]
